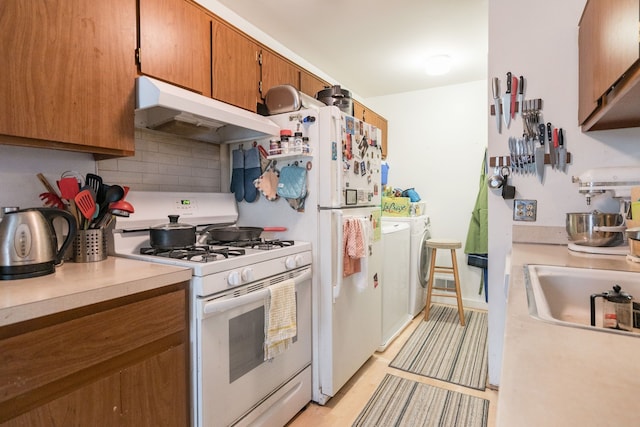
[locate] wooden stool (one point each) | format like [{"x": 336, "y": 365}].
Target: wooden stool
[{"x": 436, "y": 244}]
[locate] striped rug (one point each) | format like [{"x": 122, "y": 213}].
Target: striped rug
[
  {"x": 402, "y": 402},
  {"x": 440, "y": 348}
]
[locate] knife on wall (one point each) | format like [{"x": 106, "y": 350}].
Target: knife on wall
[
  {"x": 506, "y": 102},
  {"x": 562, "y": 152},
  {"x": 520, "y": 94},
  {"x": 552, "y": 151},
  {"x": 540, "y": 152},
  {"x": 514, "y": 95},
  {"x": 495, "y": 87}
]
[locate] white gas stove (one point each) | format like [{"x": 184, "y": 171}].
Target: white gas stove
[
  {"x": 229, "y": 293},
  {"x": 225, "y": 265}
]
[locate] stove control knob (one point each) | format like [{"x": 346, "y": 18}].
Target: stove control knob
[
  {"x": 234, "y": 278},
  {"x": 293, "y": 262},
  {"x": 247, "y": 275}
]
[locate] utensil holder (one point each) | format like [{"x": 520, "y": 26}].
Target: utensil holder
[{"x": 90, "y": 246}]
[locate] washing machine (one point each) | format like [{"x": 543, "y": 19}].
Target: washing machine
[{"x": 419, "y": 259}]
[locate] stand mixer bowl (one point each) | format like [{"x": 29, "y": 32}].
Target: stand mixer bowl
[{"x": 595, "y": 228}]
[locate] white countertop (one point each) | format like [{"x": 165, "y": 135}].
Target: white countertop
[
  {"x": 558, "y": 376},
  {"x": 78, "y": 284}
]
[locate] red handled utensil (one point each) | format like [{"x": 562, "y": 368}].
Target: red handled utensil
[{"x": 86, "y": 204}]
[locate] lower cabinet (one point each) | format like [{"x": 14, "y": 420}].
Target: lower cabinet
[{"x": 122, "y": 362}]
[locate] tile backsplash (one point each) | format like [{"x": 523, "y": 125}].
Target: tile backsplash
[{"x": 167, "y": 163}]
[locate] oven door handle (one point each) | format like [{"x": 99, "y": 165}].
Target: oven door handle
[{"x": 213, "y": 307}]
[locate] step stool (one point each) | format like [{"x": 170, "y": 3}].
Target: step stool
[{"x": 452, "y": 245}]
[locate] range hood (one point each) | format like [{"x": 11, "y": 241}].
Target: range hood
[{"x": 167, "y": 108}]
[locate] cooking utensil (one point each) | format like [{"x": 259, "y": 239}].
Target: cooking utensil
[
  {"x": 113, "y": 193},
  {"x": 539, "y": 156},
  {"x": 562, "y": 152},
  {"x": 552, "y": 149},
  {"x": 38, "y": 254},
  {"x": 496, "y": 180},
  {"x": 45, "y": 182},
  {"x": 86, "y": 204},
  {"x": 68, "y": 188},
  {"x": 94, "y": 181},
  {"x": 235, "y": 233},
  {"x": 495, "y": 88},
  {"x": 173, "y": 235},
  {"x": 520, "y": 94},
  {"x": 595, "y": 228},
  {"x": 514, "y": 95},
  {"x": 506, "y": 102},
  {"x": 52, "y": 200},
  {"x": 508, "y": 191}
]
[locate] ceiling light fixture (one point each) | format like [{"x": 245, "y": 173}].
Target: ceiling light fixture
[{"x": 438, "y": 65}]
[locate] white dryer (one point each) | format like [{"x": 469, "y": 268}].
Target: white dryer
[{"x": 419, "y": 256}]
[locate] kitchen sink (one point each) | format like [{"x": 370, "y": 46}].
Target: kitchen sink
[{"x": 560, "y": 295}]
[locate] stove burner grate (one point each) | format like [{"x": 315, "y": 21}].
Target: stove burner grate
[
  {"x": 262, "y": 244},
  {"x": 194, "y": 253}
]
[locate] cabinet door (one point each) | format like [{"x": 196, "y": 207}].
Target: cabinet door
[
  {"x": 275, "y": 71},
  {"x": 175, "y": 44},
  {"x": 608, "y": 47},
  {"x": 310, "y": 84},
  {"x": 381, "y": 123},
  {"x": 236, "y": 70},
  {"x": 154, "y": 392},
  {"x": 358, "y": 110},
  {"x": 96, "y": 404},
  {"x": 68, "y": 74}
]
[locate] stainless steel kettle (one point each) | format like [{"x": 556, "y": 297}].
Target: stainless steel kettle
[{"x": 28, "y": 242}]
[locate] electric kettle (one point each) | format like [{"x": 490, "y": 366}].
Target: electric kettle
[
  {"x": 617, "y": 309},
  {"x": 28, "y": 242}
]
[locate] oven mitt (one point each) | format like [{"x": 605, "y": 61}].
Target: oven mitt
[
  {"x": 252, "y": 172},
  {"x": 237, "y": 173},
  {"x": 268, "y": 184}
]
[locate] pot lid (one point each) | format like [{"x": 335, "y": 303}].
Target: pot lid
[{"x": 173, "y": 224}]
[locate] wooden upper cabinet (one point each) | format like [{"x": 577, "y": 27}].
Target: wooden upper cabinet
[
  {"x": 358, "y": 110},
  {"x": 310, "y": 84},
  {"x": 68, "y": 75},
  {"x": 236, "y": 71},
  {"x": 276, "y": 70},
  {"x": 609, "y": 53},
  {"x": 175, "y": 43},
  {"x": 369, "y": 116}
]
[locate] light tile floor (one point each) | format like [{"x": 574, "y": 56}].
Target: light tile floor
[{"x": 342, "y": 409}]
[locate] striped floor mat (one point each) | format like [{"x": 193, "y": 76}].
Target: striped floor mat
[
  {"x": 402, "y": 402},
  {"x": 440, "y": 348}
]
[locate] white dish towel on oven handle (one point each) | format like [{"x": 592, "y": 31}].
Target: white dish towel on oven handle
[{"x": 280, "y": 318}]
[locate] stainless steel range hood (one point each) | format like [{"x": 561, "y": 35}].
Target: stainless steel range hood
[{"x": 167, "y": 108}]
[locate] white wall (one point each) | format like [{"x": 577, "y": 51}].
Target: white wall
[
  {"x": 19, "y": 166},
  {"x": 548, "y": 59},
  {"x": 437, "y": 139}
]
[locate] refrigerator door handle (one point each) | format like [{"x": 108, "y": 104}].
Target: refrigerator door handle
[
  {"x": 338, "y": 137},
  {"x": 339, "y": 258}
]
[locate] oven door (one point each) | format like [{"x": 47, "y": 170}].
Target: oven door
[{"x": 233, "y": 376}]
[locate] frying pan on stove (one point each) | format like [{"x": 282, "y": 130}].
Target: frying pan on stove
[{"x": 232, "y": 234}]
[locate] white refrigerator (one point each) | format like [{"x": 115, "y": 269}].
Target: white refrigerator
[{"x": 344, "y": 184}]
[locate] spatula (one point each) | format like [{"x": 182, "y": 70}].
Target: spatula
[
  {"x": 86, "y": 204},
  {"x": 94, "y": 181},
  {"x": 68, "y": 188}
]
